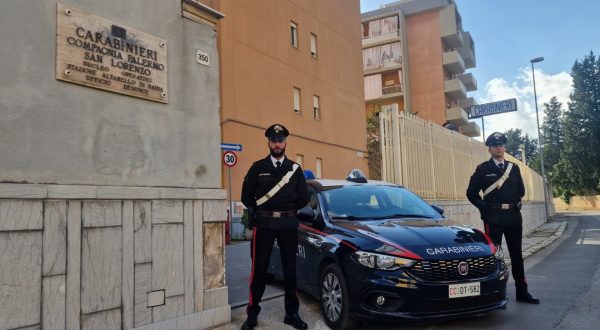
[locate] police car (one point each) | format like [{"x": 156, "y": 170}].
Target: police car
[{"x": 372, "y": 250}]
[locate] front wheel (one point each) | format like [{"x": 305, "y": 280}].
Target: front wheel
[{"x": 335, "y": 301}]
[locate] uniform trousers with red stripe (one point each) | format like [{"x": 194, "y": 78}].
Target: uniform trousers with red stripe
[
  {"x": 513, "y": 236},
  {"x": 262, "y": 245}
]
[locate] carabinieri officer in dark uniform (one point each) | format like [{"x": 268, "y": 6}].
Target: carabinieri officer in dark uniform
[
  {"x": 501, "y": 207},
  {"x": 273, "y": 190}
]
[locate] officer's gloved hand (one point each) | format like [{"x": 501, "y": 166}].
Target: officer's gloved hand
[
  {"x": 483, "y": 206},
  {"x": 251, "y": 217}
]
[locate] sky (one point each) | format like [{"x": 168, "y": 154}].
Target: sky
[{"x": 507, "y": 34}]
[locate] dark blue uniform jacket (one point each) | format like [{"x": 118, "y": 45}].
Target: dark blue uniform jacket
[{"x": 513, "y": 189}]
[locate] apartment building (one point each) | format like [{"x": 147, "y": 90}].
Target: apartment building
[
  {"x": 297, "y": 63},
  {"x": 415, "y": 55}
]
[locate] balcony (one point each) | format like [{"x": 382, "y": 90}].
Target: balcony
[
  {"x": 467, "y": 103},
  {"x": 453, "y": 62},
  {"x": 469, "y": 81},
  {"x": 457, "y": 116},
  {"x": 387, "y": 92},
  {"x": 455, "y": 89},
  {"x": 467, "y": 51},
  {"x": 391, "y": 89},
  {"x": 471, "y": 129},
  {"x": 381, "y": 39},
  {"x": 449, "y": 28}
]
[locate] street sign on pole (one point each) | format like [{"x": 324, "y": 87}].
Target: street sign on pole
[
  {"x": 229, "y": 158},
  {"x": 492, "y": 108},
  {"x": 231, "y": 146}
]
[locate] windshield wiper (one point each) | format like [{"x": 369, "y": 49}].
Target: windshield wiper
[
  {"x": 350, "y": 217},
  {"x": 403, "y": 215}
]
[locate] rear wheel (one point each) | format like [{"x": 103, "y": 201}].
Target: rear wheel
[{"x": 335, "y": 301}]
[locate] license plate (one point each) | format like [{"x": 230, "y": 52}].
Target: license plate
[{"x": 464, "y": 290}]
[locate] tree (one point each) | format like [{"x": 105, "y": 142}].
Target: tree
[
  {"x": 374, "y": 146},
  {"x": 515, "y": 139},
  {"x": 578, "y": 170},
  {"x": 552, "y": 138},
  {"x": 552, "y": 135}
]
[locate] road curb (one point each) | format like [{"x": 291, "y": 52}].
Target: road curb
[
  {"x": 542, "y": 243},
  {"x": 547, "y": 241}
]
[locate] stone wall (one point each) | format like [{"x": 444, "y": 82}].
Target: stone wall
[
  {"x": 107, "y": 257},
  {"x": 54, "y": 131},
  {"x": 578, "y": 203},
  {"x": 464, "y": 212}
]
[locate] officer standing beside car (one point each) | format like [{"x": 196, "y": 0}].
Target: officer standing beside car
[
  {"x": 500, "y": 207},
  {"x": 273, "y": 191}
]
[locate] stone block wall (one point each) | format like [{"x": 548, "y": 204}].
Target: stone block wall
[
  {"x": 99, "y": 257},
  {"x": 578, "y": 203}
]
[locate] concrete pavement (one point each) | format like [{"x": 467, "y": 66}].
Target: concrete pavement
[{"x": 271, "y": 316}]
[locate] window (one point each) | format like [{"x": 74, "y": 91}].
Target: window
[
  {"x": 294, "y": 34},
  {"x": 319, "y": 168},
  {"x": 297, "y": 100},
  {"x": 316, "y": 107},
  {"x": 313, "y": 45},
  {"x": 300, "y": 160}
]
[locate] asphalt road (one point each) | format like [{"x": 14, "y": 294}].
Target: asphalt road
[{"x": 565, "y": 276}]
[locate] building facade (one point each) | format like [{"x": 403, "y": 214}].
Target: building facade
[
  {"x": 296, "y": 63},
  {"x": 415, "y": 53},
  {"x": 112, "y": 214}
]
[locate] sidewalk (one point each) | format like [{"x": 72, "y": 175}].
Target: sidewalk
[
  {"x": 237, "y": 274},
  {"x": 271, "y": 316}
]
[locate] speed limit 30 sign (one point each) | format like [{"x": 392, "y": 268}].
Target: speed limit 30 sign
[{"x": 229, "y": 158}]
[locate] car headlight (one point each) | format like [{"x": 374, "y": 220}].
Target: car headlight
[
  {"x": 382, "y": 261},
  {"x": 499, "y": 253}
]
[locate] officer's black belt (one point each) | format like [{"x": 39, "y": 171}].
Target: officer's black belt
[
  {"x": 505, "y": 206},
  {"x": 276, "y": 214}
]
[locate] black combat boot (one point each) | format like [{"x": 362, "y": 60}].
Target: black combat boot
[
  {"x": 523, "y": 294},
  {"x": 251, "y": 321},
  {"x": 526, "y": 297},
  {"x": 294, "y": 320}
]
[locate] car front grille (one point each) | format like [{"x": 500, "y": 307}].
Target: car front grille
[
  {"x": 447, "y": 270},
  {"x": 457, "y": 304}
]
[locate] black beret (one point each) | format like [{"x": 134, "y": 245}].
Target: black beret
[
  {"x": 277, "y": 131},
  {"x": 496, "y": 139}
]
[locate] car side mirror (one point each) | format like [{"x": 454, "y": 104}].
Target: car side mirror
[
  {"x": 438, "y": 209},
  {"x": 306, "y": 214}
]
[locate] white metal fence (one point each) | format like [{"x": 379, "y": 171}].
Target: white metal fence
[{"x": 434, "y": 162}]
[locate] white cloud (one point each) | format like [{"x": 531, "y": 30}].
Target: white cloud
[{"x": 547, "y": 85}]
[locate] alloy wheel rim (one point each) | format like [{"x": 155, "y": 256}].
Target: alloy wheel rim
[{"x": 331, "y": 297}]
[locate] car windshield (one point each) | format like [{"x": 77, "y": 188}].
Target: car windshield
[{"x": 363, "y": 202}]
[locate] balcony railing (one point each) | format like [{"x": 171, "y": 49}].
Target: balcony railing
[
  {"x": 467, "y": 51},
  {"x": 455, "y": 89},
  {"x": 457, "y": 115},
  {"x": 471, "y": 129},
  {"x": 469, "y": 81},
  {"x": 467, "y": 103},
  {"x": 369, "y": 41},
  {"x": 391, "y": 89},
  {"x": 453, "y": 62}
]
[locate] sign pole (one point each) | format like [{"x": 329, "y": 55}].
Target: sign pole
[
  {"x": 483, "y": 128},
  {"x": 230, "y": 213},
  {"x": 229, "y": 159}
]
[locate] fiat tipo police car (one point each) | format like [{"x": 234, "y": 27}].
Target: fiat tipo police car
[{"x": 372, "y": 250}]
